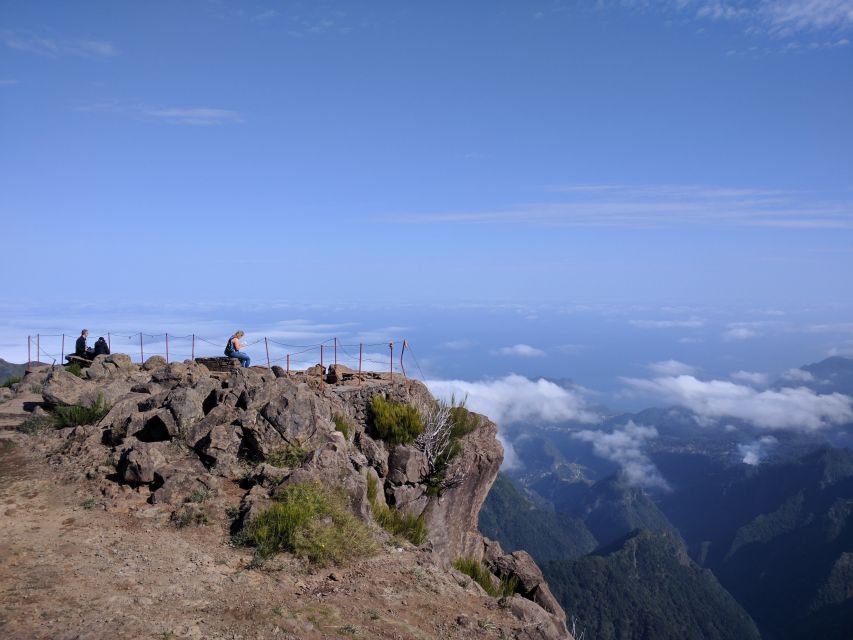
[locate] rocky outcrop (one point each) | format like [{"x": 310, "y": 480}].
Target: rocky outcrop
[{"x": 182, "y": 433}]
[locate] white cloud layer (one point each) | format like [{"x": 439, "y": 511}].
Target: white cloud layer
[
  {"x": 754, "y": 452},
  {"x": 798, "y": 375},
  {"x": 751, "y": 377},
  {"x": 794, "y": 409},
  {"x": 624, "y": 447},
  {"x": 520, "y": 350},
  {"x": 515, "y": 398},
  {"x": 671, "y": 368}
]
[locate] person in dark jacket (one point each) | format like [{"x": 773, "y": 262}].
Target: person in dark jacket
[
  {"x": 81, "y": 350},
  {"x": 101, "y": 347}
]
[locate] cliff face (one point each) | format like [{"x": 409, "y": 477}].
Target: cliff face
[{"x": 174, "y": 430}]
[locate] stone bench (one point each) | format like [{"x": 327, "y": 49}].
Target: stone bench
[
  {"x": 222, "y": 363},
  {"x": 83, "y": 362}
]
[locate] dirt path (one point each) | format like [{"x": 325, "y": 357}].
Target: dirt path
[{"x": 78, "y": 564}]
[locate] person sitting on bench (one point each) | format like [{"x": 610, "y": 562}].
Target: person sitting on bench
[
  {"x": 81, "y": 350},
  {"x": 101, "y": 347},
  {"x": 233, "y": 346}
]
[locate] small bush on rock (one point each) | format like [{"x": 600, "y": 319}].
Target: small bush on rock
[
  {"x": 310, "y": 521},
  {"x": 483, "y": 577},
  {"x": 290, "y": 456},
  {"x": 74, "y": 369},
  {"x": 342, "y": 425},
  {"x": 395, "y": 522},
  {"x": 393, "y": 422},
  {"x": 76, "y": 415}
]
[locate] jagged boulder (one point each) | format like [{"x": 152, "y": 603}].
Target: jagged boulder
[
  {"x": 539, "y": 624},
  {"x": 154, "y": 362},
  {"x": 374, "y": 451},
  {"x": 301, "y": 416},
  {"x": 141, "y": 463},
  {"x": 123, "y": 418},
  {"x": 65, "y": 389},
  {"x": 338, "y": 373},
  {"x": 531, "y": 583},
  {"x": 406, "y": 464},
  {"x": 186, "y": 484},
  {"x": 113, "y": 365},
  {"x": 408, "y": 498}
]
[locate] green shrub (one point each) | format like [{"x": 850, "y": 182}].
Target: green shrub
[
  {"x": 89, "y": 503},
  {"x": 393, "y": 422},
  {"x": 483, "y": 577},
  {"x": 310, "y": 521},
  {"x": 342, "y": 425},
  {"x": 36, "y": 388},
  {"x": 35, "y": 424},
  {"x": 464, "y": 422},
  {"x": 396, "y": 522},
  {"x": 74, "y": 369},
  {"x": 10, "y": 381},
  {"x": 290, "y": 456},
  {"x": 199, "y": 495},
  {"x": 79, "y": 414}
]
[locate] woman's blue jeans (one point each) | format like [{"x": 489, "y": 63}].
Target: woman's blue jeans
[{"x": 244, "y": 359}]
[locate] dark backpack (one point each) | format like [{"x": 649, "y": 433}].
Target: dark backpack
[{"x": 229, "y": 347}]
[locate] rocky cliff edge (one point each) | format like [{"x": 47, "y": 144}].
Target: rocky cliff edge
[{"x": 175, "y": 430}]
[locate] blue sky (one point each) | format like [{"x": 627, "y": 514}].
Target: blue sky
[{"x": 213, "y": 162}]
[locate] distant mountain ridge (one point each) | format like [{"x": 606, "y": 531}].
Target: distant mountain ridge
[{"x": 11, "y": 370}]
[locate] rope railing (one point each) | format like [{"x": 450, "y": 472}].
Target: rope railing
[{"x": 140, "y": 346}]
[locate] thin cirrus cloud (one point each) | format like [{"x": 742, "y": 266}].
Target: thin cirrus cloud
[
  {"x": 654, "y": 206},
  {"x": 785, "y": 18},
  {"x": 624, "y": 446},
  {"x": 791, "y": 409},
  {"x": 520, "y": 350},
  {"x": 196, "y": 116},
  {"x": 55, "y": 48},
  {"x": 685, "y": 323}
]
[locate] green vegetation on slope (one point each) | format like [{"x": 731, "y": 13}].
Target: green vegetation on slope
[
  {"x": 646, "y": 588},
  {"x": 511, "y": 519}
]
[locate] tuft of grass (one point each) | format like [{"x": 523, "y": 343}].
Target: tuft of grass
[
  {"x": 396, "y": 522},
  {"x": 393, "y": 422},
  {"x": 313, "y": 522},
  {"x": 199, "y": 495},
  {"x": 348, "y": 630},
  {"x": 184, "y": 518},
  {"x": 36, "y": 388},
  {"x": 7, "y": 445},
  {"x": 477, "y": 571},
  {"x": 290, "y": 456},
  {"x": 76, "y": 415},
  {"x": 10, "y": 381},
  {"x": 342, "y": 425},
  {"x": 35, "y": 424},
  {"x": 74, "y": 369},
  {"x": 89, "y": 503}
]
